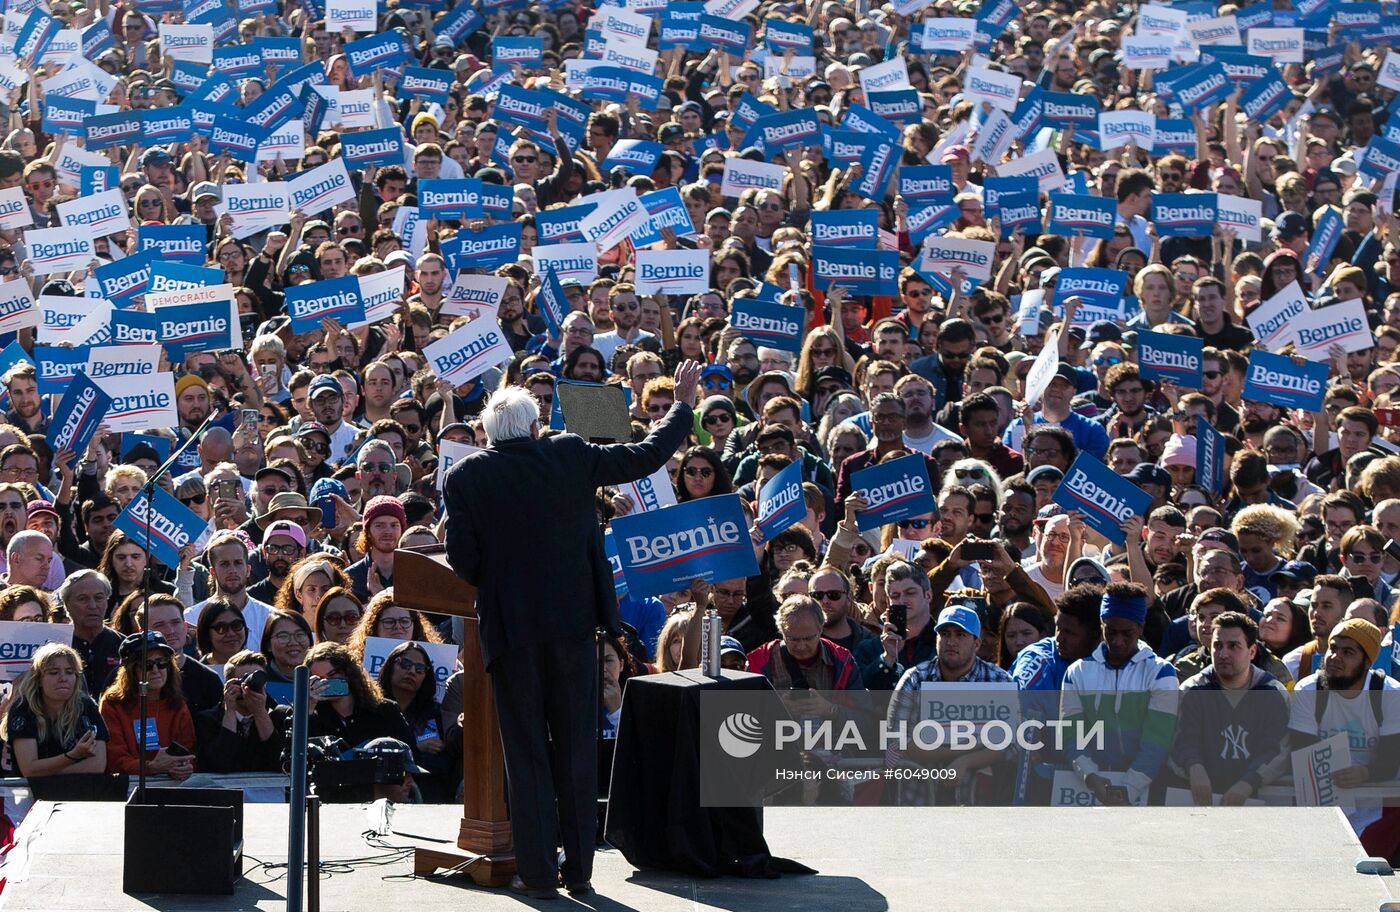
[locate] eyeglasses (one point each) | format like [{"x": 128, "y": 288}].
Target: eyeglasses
[
  {"x": 993, "y": 318},
  {"x": 1045, "y": 451},
  {"x": 288, "y": 636},
  {"x": 913, "y": 523},
  {"x": 698, "y": 471},
  {"x": 226, "y": 627},
  {"x": 716, "y": 418},
  {"x": 318, "y": 447},
  {"x": 546, "y": 398},
  {"x": 828, "y": 595},
  {"x": 195, "y": 500},
  {"x": 406, "y": 664},
  {"x": 291, "y": 550},
  {"x": 788, "y": 548},
  {"x": 823, "y": 352},
  {"x": 157, "y": 664},
  {"x": 396, "y": 623},
  {"x": 347, "y": 619},
  {"x": 524, "y": 159},
  {"x": 348, "y": 229},
  {"x": 716, "y": 383},
  {"x": 46, "y": 184},
  {"x": 658, "y": 408},
  {"x": 382, "y": 467},
  {"x": 1373, "y": 557}
]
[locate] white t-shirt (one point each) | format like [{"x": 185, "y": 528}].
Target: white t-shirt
[
  {"x": 609, "y": 342},
  {"x": 1052, "y": 589},
  {"x": 1352, "y": 715},
  {"x": 925, "y": 444}
]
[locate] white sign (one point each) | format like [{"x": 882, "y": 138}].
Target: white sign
[
  {"x": 321, "y": 187},
  {"x": 254, "y": 207},
  {"x": 1272, "y": 321},
  {"x": 449, "y": 454},
  {"x": 1240, "y": 213},
  {"x": 71, "y": 158},
  {"x": 287, "y": 142},
  {"x": 187, "y": 42},
  {"x": 1044, "y": 166},
  {"x": 471, "y": 294},
  {"x": 356, "y": 15},
  {"x": 630, "y": 55},
  {"x": 943, "y": 254},
  {"x": 382, "y": 294},
  {"x": 1043, "y": 369},
  {"x": 1161, "y": 20},
  {"x": 194, "y": 294},
  {"x": 468, "y": 352},
  {"x": 673, "y": 271},
  {"x": 1389, "y": 76},
  {"x": 1314, "y": 767},
  {"x": 53, "y": 250},
  {"x": 616, "y": 23},
  {"x": 357, "y": 109},
  {"x": 650, "y": 493},
  {"x": 412, "y": 232},
  {"x": 96, "y": 327},
  {"x": 740, "y": 174},
  {"x": 1119, "y": 128},
  {"x": 618, "y": 214},
  {"x": 140, "y": 402},
  {"x": 1067, "y": 789},
  {"x": 1147, "y": 52},
  {"x": 17, "y": 309},
  {"x": 14, "y": 209},
  {"x": 1284, "y": 45},
  {"x": 442, "y": 655},
  {"x": 999, "y": 89},
  {"x": 106, "y": 361},
  {"x": 798, "y": 67},
  {"x": 19, "y": 640},
  {"x": 995, "y": 134},
  {"x": 567, "y": 261},
  {"x": 954, "y": 34},
  {"x": 97, "y": 216},
  {"x": 58, "y": 315},
  {"x": 884, "y": 77},
  {"x": 1344, "y": 324},
  {"x": 1215, "y": 30}
]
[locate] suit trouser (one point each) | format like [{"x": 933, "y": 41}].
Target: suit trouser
[{"x": 547, "y": 700}]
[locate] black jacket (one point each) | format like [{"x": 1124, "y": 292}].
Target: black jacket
[{"x": 522, "y": 527}]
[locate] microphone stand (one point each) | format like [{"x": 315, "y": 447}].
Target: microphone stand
[{"x": 146, "y": 584}]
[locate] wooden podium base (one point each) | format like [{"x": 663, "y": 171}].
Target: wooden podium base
[{"x": 484, "y": 870}]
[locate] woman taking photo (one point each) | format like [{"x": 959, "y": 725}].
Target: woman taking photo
[
  {"x": 165, "y": 710},
  {"x": 408, "y": 679},
  {"x": 221, "y": 632},
  {"x": 336, "y": 616},
  {"x": 52, "y": 727},
  {"x": 362, "y": 714},
  {"x": 286, "y": 637}
]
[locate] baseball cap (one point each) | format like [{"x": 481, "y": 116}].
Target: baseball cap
[
  {"x": 1104, "y": 331},
  {"x": 325, "y": 385},
  {"x": 833, "y": 372},
  {"x": 1301, "y": 571},
  {"x": 671, "y": 131},
  {"x": 1045, "y": 471},
  {"x": 204, "y": 188},
  {"x": 312, "y": 427},
  {"x": 1149, "y": 473},
  {"x": 729, "y": 644},
  {"x": 154, "y": 640},
  {"x": 37, "y": 507},
  {"x": 1288, "y": 226},
  {"x": 956, "y": 152},
  {"x": 275, "y": 470},
  {"x": 961, "y": 617},
  {"x": 287, "y": 528},
  {"x": 1218, "y": 536},
  {"x": 396, "y": 749},
  {"x": 1067, "y": 372},
  {"x": 155, "y": 157},
  {"x": 717, "y": 370}
]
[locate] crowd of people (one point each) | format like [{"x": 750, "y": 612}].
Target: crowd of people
[{"x": 329, "y": 439}]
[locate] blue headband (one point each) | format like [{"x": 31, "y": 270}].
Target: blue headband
[{"x": 1128, "y": 607}]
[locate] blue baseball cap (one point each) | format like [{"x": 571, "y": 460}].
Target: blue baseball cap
[
  {"x": 961, "y": 617},
  {"x": 325, "y": 384}
]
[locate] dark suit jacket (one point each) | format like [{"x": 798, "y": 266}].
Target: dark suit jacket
[{"x": 523, "y": 528}]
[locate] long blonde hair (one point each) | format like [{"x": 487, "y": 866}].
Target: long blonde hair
[{"x": 30, "y": 690}]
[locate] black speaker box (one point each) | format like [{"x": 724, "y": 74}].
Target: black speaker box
[{"x": 183, "y": 840}]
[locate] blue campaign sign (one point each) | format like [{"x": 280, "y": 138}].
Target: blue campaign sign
[
  {"x": 526, "y": 108},
  {"x": 509, "y": 51},
  {"x": 450, "y": 198},
  {"x": 1281, "y": 381},
  {"x": 560, "y": 226},
  {"x": 1174, "y": 136},
  {"x": 372, "y": 147},
  {"x": 665, "y": 550},
  {"x": 994, "y": 188},
  {"x": 279, "y": 53},
  {"x": 81, "y": 411},
  {"x": 780, "y": 35},
  {"x": 1166, "y": 356},
  {"x": 238, "y": 61},
  {"x": 384, "y": 51},
  {"x": 167, "y": 125},
  {"x": 167, "y": 276},
  {"x": 925, "y": 184},
  {"x": 899, "y": 106},
  {"x": 1184, "y": 214},
  {"x": 795, "y": 129},
  {"x": 187, "y": 329},
  {"x": 634, "y": 156},
  {"x": 203, "y": 113},
  {"x": 749, "y": 109},
  {"x": 863, "y": 120},
  {"x": 1265, "y": 97},
  {"x": 95, "y": 179},
  {"x": 680, "y": 26},
  {"x": 217, "y": 88},
  {"x": 926, "y": 218},
  {"x": 847, "y": 228},
  {"x": 1063, "y": 110},
  {"x": 842, "y": 147},
  {"x": 173, "y": 243},
  {"x": 1105, "y": 498},
  {"x": 764, "y": 323},
  {"x": 426, "y": 83},
  {"x": 496, "y": 201},
  {"x": 615, "y": 564},
  {"x": 725, "y": 35},
  {"x": 34, "y": 37},
  {"x": 1382, "y": 155},
  {"x": 125, "y": 280},
  {"x": 780, "y": 502},
  {"x": 57, "y": 365},
  {"x": 486, "y": 249},
  {"x": 97, "y": 38},
  {"x": 236, "y": 137},
  {"x": 311, "y": 302},
  {"x": 862, "y": 272},
  {"x": 67, "y": 115},
  {"x": 1207, "y": 86},
  {"x": 171, "y": 525},
  {"x": 1075, "y": 213},
  {"x": 552, "y": 303},
  {"x": 1018, "y": 210},
  {"x": 134, "y": 327},
  {"x": 1210, "y": 456},
  {"x": 894, "y": 490},
  {"x": 1326, "y": 233},
  {"x": 1029, "y": 115},
  {"x": 460, "y": 22},
  {"x": 664, "y": 210},
  {"x": 102, "y": 131},
  {"x": 1099, "y": 288},
  {"x": 878, "y": 165}
]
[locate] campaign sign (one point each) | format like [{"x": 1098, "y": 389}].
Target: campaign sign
[
  {"x": 560, "y": 226},
  {"x": 1208, "y": 85},
  {"x": 780, "y": 502},
  {"x": 780, "y": 36},
  {"x": 14, "y": 209},
  {"x": 926, "y": 184},
  {"x": 777, "y": 326},
  {"x": 311, "y": 302},
  {"x": 93, "y": 180},
  {"x": 133, "y": 327},
  {"x": 894, "y": 490},
  {"x": 552, "y": 304},
  {"x": 140, "y": 401},
  {"x": 471, "y": 294},
  {"x": 180, "y": 276},
  {"x": 487, "y": 248},
  {"x": 949, "y": 35},
  {"x": 1210, "y": 456},
  {"x": 1184, "y": 214},
  {"x": 442, "y": 656},
  {"x": 863, "y": 120},
  {"x": 1281, "y": 381},
  {"x": 578, "y": 262},
  {"x": 173, "y": 243},
  {"x": 254, "y": 207},
  {"x": 1075, "y": 213},
  {"x": 1283, "y": 45},
  {"x": 508, "y": 51},
  {"x": 1105, "y": 498},
  {"x": 53, "y": 250},
  {"x": 1272, "y": 322},
  {"x": 861, "y": 272},
  {"x": 171, "y": 525},
  {"x": 665, "y": 550},
  {"x": 846, "y": 228},
  {"x": 103, "y": 131},
  {"x": 1239, "y": 214},
  {"x": 17, "y": 306},
  {"x": 1265, "y": 97},
  {"x": 321, "y": 187},
  {"x": 1165, "y": 356},
  {"x": 426, "y": 83},
  {"x": 898, "y": 106},
  {"x": 186, "y": 329},
  {"x": 741, "y": 174},
  {"x": 878, "y": 165},
  {"x": 1044, "y": 166},
  {"x": 944, "y": 254},
  {"x": 1173, "y": 136},
  {"x": 236, "y": 138},
  {"x": 450, "y": 198},
  {"x": 1326, "y": 233},
  {"x": 673, "y": 272},
  {"x": 997, "y": 88},
  {"x": 925, "y": 219},
  {"x": 19, "y": 640},
  {"x": 1099, "y": 288},
  {"x": 785, "y": 130},
  {"x": 356, "y": 15},
  {"x": 83, "y": 407},
  {"x": 619, "y": 213},
  {"x": 468, "y": 352},
  {"x": 106, "y": 361},
  {"x": 1121, "y": 128},
  {"x": 634, "y": 156},
  {"x": 34, "y": 37},
  {"x": 96, "y": 216},
  {"x": 167, "y": 125},
  {"x": 653, "y": 492},
  {"x": 56, "y": 366},
  {"x": 373, "y": 147},
  {"x": 664, "y": 210},
  {"x": 1382, "y": 158},
  {"x": 720, "y": 34},
  {"x": 1066, "y": 110},
  {"x": 1344, "y": 324},
  {"x": 377, "y": 51}
]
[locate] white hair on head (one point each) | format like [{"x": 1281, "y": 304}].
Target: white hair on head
[
  {"x": 509, "y": 414},
  {"x": 23, "y": 539}
]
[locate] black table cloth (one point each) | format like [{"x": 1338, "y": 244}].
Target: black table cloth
[{"x": 654, "y": 813}]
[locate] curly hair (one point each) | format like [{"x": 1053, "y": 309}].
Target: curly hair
[
  {"x": 1274, "y": 524},
  {"x": 286, "y": 599},
  {"x": 421, "y": 631}
]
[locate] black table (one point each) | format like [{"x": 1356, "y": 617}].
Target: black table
[{"x": 654, "y": 812}]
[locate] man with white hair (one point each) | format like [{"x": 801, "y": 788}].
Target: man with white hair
[
  {"x": 537, "y": 629},
  {"x": 29, "y": 556}
]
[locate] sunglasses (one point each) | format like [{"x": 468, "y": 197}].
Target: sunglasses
[
  {"x": 342, "y": 620},
  {"x": 196, "y": 499},
  {"x": 1211, "y": 375},
  {"x": 157, "y": 664},
  {"x": 524, "y": 159},
  {"x": 225, "y": 627},
  {"x": 913, "y": 523},
  {"x": 348, "y": 229},
  {"x": 828, "y": 595},
  {"x": 407, "y": 664},
  {"x": 698, "y": 471},
  {"x": 970, "y": 473},
  {"x": 720, "y": 418},
  {"x": 1107, "y": 361},
  {"x": 317, "y": 447},
  {"x": 383, "y": 467},
  {"x": 1372, "y": 558}
]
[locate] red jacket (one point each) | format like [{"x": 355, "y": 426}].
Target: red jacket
[{"x": 764, "y": 659}]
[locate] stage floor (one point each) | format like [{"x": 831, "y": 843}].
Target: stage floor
[{"x": 1176, "y": 859}]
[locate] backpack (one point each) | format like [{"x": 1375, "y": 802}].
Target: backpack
[{"x": 1375, "y": 685}]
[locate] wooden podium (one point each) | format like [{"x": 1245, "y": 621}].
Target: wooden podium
[{"x": 424, "y": 581}]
